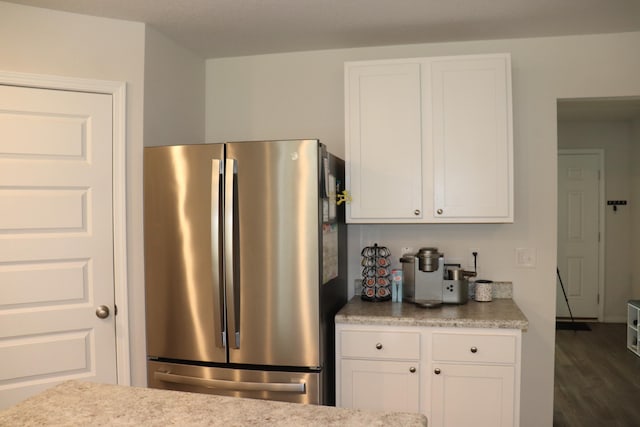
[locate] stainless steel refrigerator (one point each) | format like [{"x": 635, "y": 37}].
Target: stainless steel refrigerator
[{"x": 245, "y": 268}]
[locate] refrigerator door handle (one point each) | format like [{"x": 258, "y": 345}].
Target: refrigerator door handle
[
  {"x": 230, "y": 385},
  {"x": 218, "y": 323},
  {"x": 233, "y": 300}
]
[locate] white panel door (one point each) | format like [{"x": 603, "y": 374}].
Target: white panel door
[
  {"x": 472, "y": 139},
  {"x": 578, "y": 227},
  {"x": 384, "y": 142},
  {"x": 56, "y": 240}
]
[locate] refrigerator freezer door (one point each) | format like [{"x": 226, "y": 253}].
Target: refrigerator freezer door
[
  {"x": 276, "y": 248},
  {"x": 297, "y": 387},
  {"x": 184, "y": 304}
]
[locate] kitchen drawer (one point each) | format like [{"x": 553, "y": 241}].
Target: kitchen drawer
[
  {"x": 380, "y": 345},
  {"x": 474, "y": 348}
]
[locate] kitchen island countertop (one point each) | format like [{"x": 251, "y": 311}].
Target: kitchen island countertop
[
  {"x": 499, "y": 313},
  {"x": 75, "y": 403}
]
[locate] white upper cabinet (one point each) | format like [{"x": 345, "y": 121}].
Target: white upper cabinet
[
  {"x": 429, "y": 140},
  {"x": 471, "y": 138},
  {"x": 384, "y": 130}
]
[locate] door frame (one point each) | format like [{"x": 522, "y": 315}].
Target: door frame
[
  {"x": 118, "y": 92},
  {"x": 601, "y": 219}
]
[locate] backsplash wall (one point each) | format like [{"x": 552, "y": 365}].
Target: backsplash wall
[{"x": 495, "y": 261}]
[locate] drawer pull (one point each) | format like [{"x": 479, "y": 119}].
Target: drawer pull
[
  {"x": 437, "y": 371},
  {"x": 379, "y": 346},
  {"x": 474, "y": 349},
  {"x": 412, "y": 369}
]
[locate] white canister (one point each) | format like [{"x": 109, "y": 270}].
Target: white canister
[{"x": 484, "y": 290}]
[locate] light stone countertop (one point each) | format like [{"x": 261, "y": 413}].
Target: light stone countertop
[
  {"x": 75, "y": 403},
  {"x": 499, "y": 313}
]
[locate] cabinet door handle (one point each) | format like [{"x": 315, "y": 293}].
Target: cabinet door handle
[
  {"x": 437, "y": 371},
  {"x": 416, "y": 212},
  {"x": 439, "y": 211},
  {"x": 379, "y": 346},
  {"x": 412, "y": 369},
  {"x": 474, "y": 349}
]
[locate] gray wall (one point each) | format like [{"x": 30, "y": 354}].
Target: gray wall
[
  {"x": 41, "y": 41},
  {"x": 635, "y": 210},
  {"x": 174, "y": 89},
  {"x": 301, "y": 95},
  {"x": 165, "y": 103}
]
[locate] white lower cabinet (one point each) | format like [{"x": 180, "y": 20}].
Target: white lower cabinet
[
  {"x": 473, "y": 378},
  {"x": 472, "y": 395},
  {"x": 378, "y": 368},
  {"x": 457, "y": 377},
  {"x": 380, "y": 385}
]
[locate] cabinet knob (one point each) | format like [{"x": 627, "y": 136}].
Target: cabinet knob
[
  {"x": 416, "y": 212},
  {"x": 474, "y": 349},
  {"x": 437, "y": 371},
  {"x": 439, "y": 211},
  {"x": 379, "y": 346},
  {"x": 412, "y": 369}
]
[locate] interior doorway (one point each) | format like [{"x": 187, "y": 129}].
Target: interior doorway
[
  {"x": 580, "y": 233},
  {"x": 612, "y": 126}
]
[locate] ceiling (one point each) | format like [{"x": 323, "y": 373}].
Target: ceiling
[{"x": 222, "y": 28}]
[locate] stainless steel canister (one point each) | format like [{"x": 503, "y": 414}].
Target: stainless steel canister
[{"x": 456, "y": 274}]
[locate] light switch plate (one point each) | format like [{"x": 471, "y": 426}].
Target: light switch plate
[{"x": 526, "y": 257}]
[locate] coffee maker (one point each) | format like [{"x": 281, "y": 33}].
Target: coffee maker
[{"x": 429, "y": 282}]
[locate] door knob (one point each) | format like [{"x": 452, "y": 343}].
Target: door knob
[
  {"x": 412, "y": 369},
  {"x": 102, "y": 312},
  {"x": 437, "y": 371}
]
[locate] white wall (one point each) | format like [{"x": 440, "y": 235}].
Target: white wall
[
  {"x": 301, "y": 95},
  {"x": 635, "y": 210},
  {"x": 615, "y": 138},
  {"x": 41, "y": 41},
  {"x": 165, "y": 103},
  {"x": 174, "y": 89}
]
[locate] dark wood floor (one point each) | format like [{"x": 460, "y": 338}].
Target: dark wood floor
[{"x": 597, "y": 380}]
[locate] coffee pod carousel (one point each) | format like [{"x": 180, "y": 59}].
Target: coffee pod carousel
[{"x": 376, "y": 271}]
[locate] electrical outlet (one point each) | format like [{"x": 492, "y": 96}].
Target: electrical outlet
[{"x": 406, "y": 250}]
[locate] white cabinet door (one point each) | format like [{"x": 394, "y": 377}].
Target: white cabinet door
[
  {"x": 471, "y": 136},
  {"x": 380, "y": 385},
  {"x": 383, "y": 142},
  {"x": 472, "y": 395}
]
